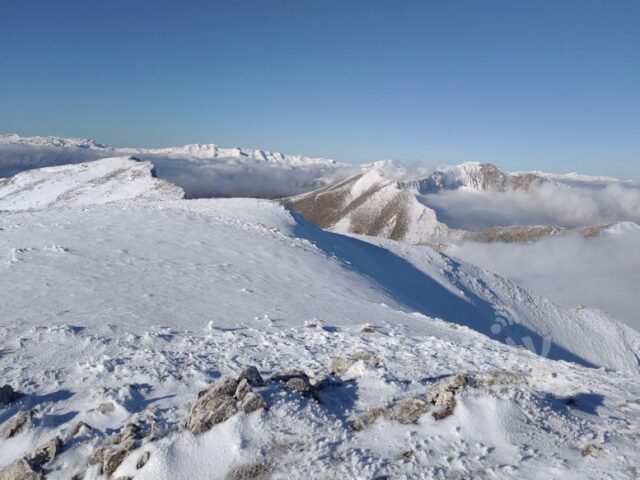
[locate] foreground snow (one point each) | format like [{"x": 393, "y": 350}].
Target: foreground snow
[
  {"x": 123, "y": 312},
  {"x": 109, "y": 180}
]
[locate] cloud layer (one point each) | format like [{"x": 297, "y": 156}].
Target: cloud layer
[
  {"x": 601, "y": 272},
  {"x": 549, "y": 204}
]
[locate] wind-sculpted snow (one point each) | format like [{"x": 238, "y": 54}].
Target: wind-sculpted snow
[
  {"x": 100, "y": 181},
  {"x": 115, "y": 316}
]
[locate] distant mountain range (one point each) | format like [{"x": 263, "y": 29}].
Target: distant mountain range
[{"x": 379, "y": 199}]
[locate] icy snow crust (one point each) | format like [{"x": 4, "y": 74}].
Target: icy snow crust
[{"x": 124, "y": 311}]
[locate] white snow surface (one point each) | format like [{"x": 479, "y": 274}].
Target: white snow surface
[
  {"x": 107, "y": 180},
  {"x": 123, "y": 311}
]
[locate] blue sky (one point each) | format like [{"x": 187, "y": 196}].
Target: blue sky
[{"x": 551, "y": 85}]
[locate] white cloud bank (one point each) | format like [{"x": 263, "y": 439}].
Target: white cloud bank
[
  {"x": 549, "y": 204},
  {"x": 601, "y": 272}
]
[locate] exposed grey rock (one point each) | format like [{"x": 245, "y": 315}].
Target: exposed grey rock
[
  {"x": 112, "y": 460},
  {"x": 253, "y": 401},
  {"x": 97, "y": 456},
  {"x": 368, "y": 329},
  {"x": 224, "y": 399},
  {"x": 45, "y": 453},
  {"x": 142, "y": 461},
  {"x": 591, "y": 449},
  {"x": 340, "y": 365},
  {"x": 8, "y": 395},
  {"x": 300, "y": 384},
  {"x": 243, "y": 389},
  {"x": 20, "y": 470},
  {"x": 106, "y": 407},
  {"x": 294, "y": 380},
  {"x": 518, "y": 233},
  {"x": 75, "y": 430},
  {"x": 16, "y": 424},
  {"x": 440, "y": 398},
  {"x": 408, "y": 410},
  {"x": 213, "y": 406},
  {"x": 442, "y": 395},
  {"x": 252, "y": 375},
  {"x": 129, "y": 433},
  {"x": 501, "y": 378},
  {"x": 368, "y": 418},
  {"x": 288, "y": 375},
  {"x": 256, "y": 471}
]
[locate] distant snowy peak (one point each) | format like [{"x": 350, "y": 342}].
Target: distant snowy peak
[
  {"x": 383, "y": 201},
  {"x": 202, "y": 170},
  {"x": 97, "y": 182},
  {"x": 51, "y": 141},
  {"x": 473, "y": 176},
  {"x": 207, "y": 151},
  {"x": 370, "y": 203},
  {"x": 211, "y": 151}
]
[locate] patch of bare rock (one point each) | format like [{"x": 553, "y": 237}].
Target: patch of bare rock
[
  {"x": 440, "y": 400},
  {"x": 226, "y": 397}
]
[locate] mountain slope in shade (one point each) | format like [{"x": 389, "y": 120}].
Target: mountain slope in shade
[{"x": 100, "y": 181}]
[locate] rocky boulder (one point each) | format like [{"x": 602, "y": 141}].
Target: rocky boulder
[
  {"x": 340, "y": 365},
  {"x": 45, "y": 453},
  {"x": 20, "y": 470},
  {"x": 224, "y": 399},
  {"x": 8, "y": 395},
  {"x": 16, "y": 424},
  {"x": 440, "y": 398}
]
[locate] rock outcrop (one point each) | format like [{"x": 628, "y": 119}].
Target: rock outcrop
[
  {"x": 224, "y": 399},
  {"x": 8, "y": 395},
  {"x": 440, "y": 400},
  {"x": 16, "y": 424}
]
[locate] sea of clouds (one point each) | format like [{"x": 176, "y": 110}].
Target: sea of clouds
[
  {"x": 549, "y": 204},
  {"x": 601, "y": 272}
]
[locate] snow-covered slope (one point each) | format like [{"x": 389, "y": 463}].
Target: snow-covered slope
[
  {"x": 116, "y": 315},
  {"x": 100, "y": 181},
  {"x": 371, "y": 203},
  {"x": 202, "y": 170}
]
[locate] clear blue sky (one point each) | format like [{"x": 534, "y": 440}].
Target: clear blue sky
[{"x": 538, "y": 84}]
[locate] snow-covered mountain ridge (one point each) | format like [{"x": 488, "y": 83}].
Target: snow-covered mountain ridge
[
  {"x": 201, "y": 170},
  {"x": 107, "y": 180},
  {"x": 116, "y": 316},
  {"x": 195, "y": 150}
]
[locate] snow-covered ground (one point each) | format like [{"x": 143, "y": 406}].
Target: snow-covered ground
[
  {"x": 109, "y": 180},
  {"x": 119, "y": 313}
]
